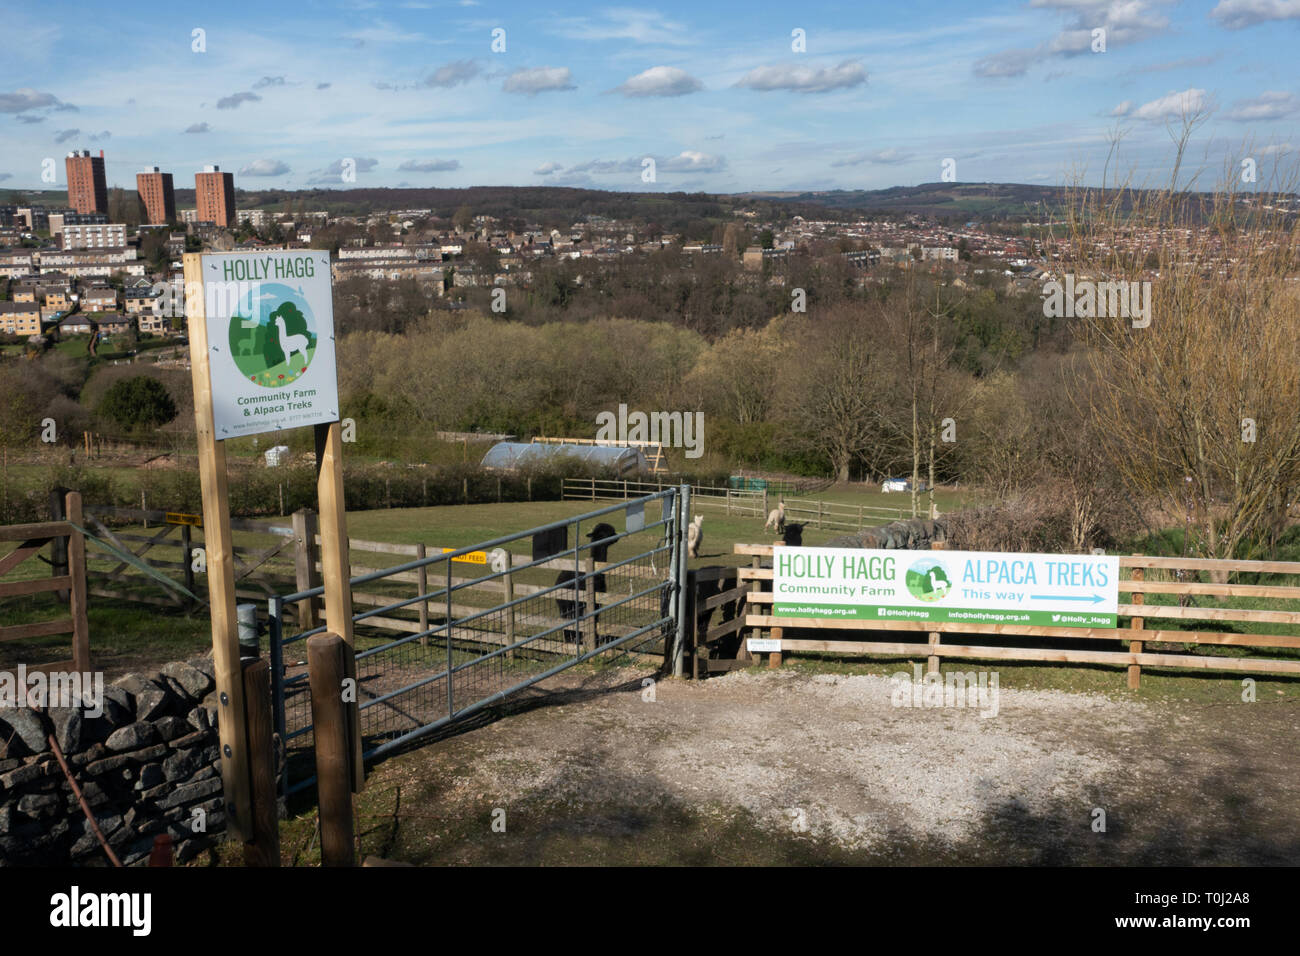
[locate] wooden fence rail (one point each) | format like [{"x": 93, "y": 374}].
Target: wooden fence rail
[
  {"x": 31, "y": 539},
  {"x": 1139, "y": 634}
]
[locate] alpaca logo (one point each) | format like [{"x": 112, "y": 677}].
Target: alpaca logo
[
  {"x": 928, "y": 580},
  {"x": 272, "y": 334}
]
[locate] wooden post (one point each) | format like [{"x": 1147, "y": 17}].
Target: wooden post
[
  {"x": 776, "y": 657},
  {"x": 59, "y": 546},
  {"x": 187, "y": 546},
  {"x": 326, "y": 669},
  {"x": 530, "y": 487},
  {"x": 306, "y": 576},
  {"x": 766, "y": 511},
  {"x": 932, "y": 664},
  {"x": 264, "y": 847},
  {"x": 77, "y": 596},
  {"x": 1135, "y": 625},
  {"x": 422, "y": 582},
  {"x": 819, "y": 514},
  {"x": 589, "y": 569},
  {"x": 728, "y": 501},
  {"x": 220, "y": 547},
  {"x": 510, "y": 596},
  {"x": 755, "y": 587},
  {"x": 336, "y": 568},
  {"x": 692, "y": 622},
  {"x": 464, "y": 489}
]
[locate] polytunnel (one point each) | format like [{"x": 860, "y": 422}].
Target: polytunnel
[{"x": 622, "y": 461}]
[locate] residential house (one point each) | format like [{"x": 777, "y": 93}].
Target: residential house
[{"x": 20, "y": 318}]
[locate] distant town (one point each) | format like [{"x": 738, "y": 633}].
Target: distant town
[{"x": 112, "y": 270}]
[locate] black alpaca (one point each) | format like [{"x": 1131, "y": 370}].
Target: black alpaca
[{"x": 599, "y": 553}]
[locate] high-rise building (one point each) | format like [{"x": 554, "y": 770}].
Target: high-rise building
[
  {"x": 87, "y": 188},
  {"x": 214, "y": 194},
  {"x": 155, "y": 188}
]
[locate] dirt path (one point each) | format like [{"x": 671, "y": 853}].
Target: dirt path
[{"x": 787, "y": 767}]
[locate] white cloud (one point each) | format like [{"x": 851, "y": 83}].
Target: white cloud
[
  {"x": 232, "y": 101},
  {"x": 539, "y": 80},
  {"x": 660, "y": 81},
  {"x": 641, "y": 26},
  {"x": 1172, "y": 106},
  {"x": 691, "y": 161},
  {"x": 264, "y": 167},
  {"x": 547, "y": 169},
  {"x": 198, "y": 128},
  {"x": 429, "y": 165},
  {"x": 1271, "y": 105},
  {"x": 26, "y": 98},
  {"x": 382, "y": 32},
  {"x": 805, "y": 79},
  {"x": 1239, "y": 14},
  {"x": 881, "y": 157},
  {"x": 453, "y": 74},
  {"x": 1277, "y": 149},
  {"x": 269, "y": 81},
  {"x": 1123, "y": 109},
  {"x": 1007, "y": 63}
]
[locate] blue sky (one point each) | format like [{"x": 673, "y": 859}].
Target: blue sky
[{"x": 414, "y": 94}]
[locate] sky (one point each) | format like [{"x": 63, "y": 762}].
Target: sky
[{"x": 718, "y": 97}]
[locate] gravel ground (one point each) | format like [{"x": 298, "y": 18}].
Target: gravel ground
[{"x": 793, "y": 767}]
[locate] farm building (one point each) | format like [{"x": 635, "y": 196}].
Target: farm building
[{"x": 624, "y": 462}]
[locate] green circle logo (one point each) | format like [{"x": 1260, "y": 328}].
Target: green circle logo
[
  {"x": 927, "y": 580},
  {"x": 272, "y": 335}
]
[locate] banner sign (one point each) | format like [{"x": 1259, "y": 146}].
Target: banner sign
[
  {"x": 270, "y": 324},
  {"x": 972, "y": 587}
]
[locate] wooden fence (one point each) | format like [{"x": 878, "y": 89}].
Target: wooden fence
[
  {"x": 1146, "y": 576},
  {"x": 715, "y": 646},
  {"x": 68, "y": 580},
  {"x": 733, "y": 502}
]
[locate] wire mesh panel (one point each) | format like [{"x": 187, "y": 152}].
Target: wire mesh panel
[{"x": 487, "y": 621}]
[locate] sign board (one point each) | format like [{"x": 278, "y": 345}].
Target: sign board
[
  {"x": 473, "y": 557},
  {"x": 176, "y": 517},
  {"x": 972, "y": 587},
  {"x": 760, "y": 645},
  {"x": 270, "y": 333}
]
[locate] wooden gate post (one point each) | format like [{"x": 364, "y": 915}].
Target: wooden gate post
[
  {"x": 776, "y": 657},
  {"x": 510, "y": 597},
  {"x": 58, "y": 545},
  {"x": 305, "y": 557},
  {"x": 589, "y": 569},
  {"x": 422, "y": 582},
  {"x": 77, "y": 595},
  {"x": 336, "y": 569},
  {"x": 264, "y": 847},
  {"x": 932, "y": 664},
  {"x": 326, "y": 670},
  {"x": 220, "y": 547},
  {"x": 1135, "y": 625}
]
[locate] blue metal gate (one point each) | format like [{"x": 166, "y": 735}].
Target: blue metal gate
[{"x": 474, "y": 639}]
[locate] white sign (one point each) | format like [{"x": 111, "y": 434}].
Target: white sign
[
  {"x": 270, "y": 325},
  {"x": 976, "y": 587},
  {"x": 760, "y": 645}
]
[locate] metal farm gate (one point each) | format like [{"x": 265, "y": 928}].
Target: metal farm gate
[{"x": 488, "y": 621}]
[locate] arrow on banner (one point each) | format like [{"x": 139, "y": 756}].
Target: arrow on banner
[{"x": 1093, "y": 599}]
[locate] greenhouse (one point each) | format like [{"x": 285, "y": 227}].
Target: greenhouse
[{"x": 622, "y": 461}]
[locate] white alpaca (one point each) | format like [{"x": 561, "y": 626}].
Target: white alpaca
[
  {"x": 694, "y": 535},
  {"x": 776, "y": 517},
  {"x": 291, "y": 343},
  {"x": 938, "y": 587}
]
